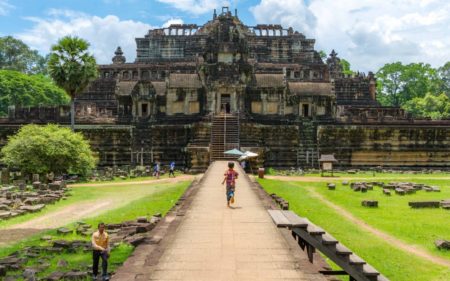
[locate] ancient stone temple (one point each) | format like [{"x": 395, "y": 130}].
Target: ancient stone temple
[{"x": 195, "y": 91}]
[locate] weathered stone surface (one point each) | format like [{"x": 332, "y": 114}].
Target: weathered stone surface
[
  {"x": 55, "y": 276},
  {"x": 64, "y": 231},
  {"x": 369, "y": 203},
  {"x": 400, "y": 191},
  {"x": 30, "y": 274},
  {"x": 135, "y": 239},
  {"x": 5, "y": 215},
  {"x": 424, "y": 204},
  {"x": 46, "y": 238},
  {"x": 331, "y": 186},
  {"x": 142, "y": 220},
  {"x": 442, "y": 244},
  {"x": 62, "y": 244},
  {"x": 33, "y": 208}
]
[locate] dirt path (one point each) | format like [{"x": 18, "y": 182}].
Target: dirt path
[
  {"x": 166, "y": 180},
  {"x": 77, "y": 211},
  {"x": 380, "y": 234}
]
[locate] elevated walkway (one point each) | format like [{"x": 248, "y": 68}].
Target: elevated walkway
[{"x": 213, "y": 242}]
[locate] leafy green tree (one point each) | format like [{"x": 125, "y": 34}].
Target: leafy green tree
[
  {"x": 16, "y": 55},
  {"x": 444, "y": 75},
  {"x": 72, "y": 68},
  {"x": 28, "y": 90},
  {"x": 346, "y": 67},
  {"x": 323, "y": 55},
  {"x": 398, "y": 83},
  {"x": 434, "y": 107},
  {"x": 50, "y": 148}
]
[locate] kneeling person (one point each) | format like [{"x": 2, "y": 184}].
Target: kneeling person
[{"x": 100, "y": 249}]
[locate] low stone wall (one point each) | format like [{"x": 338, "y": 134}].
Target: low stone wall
[{"x": 386, "y": 145}]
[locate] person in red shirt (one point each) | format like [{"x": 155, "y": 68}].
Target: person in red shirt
[{"x": 230, "y": 177}]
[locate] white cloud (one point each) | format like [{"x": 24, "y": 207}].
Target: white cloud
[
  {"x": 288, "y": 13},
  {"x": 172, "y": 21},
  {"x": 368, "y": 33},
  {"x": 196, "y": 7},
  {"x": 104, "y": 33},
  {"x": 5, "y": 7}
]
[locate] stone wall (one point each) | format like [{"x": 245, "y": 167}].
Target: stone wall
[
  {"x": 276, "y": 144},
  {"x": 386, "y": 145}
]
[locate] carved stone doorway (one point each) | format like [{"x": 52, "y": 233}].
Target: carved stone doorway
[{"x": 225, "y": 103}]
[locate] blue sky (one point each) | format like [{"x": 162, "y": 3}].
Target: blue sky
[{"x": 368, "y": 33}]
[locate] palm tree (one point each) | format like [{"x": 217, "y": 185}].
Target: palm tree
[{"x": 72, "y": 68}]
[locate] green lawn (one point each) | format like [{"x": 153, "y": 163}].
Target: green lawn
[
  {"x": 159, "y": 202},
  {"x": 91, "y": 193},
  {"x": 414, "y": 226}
]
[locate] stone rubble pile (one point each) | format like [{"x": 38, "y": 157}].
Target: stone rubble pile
[
  {"x": 19, "y": 199},
  {"x": 131, "y": 232}
]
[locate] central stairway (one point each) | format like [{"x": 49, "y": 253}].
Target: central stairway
[{"x": 224, "y": 135}]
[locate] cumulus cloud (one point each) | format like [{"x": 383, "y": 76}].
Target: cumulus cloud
[
  {"x": 172, "y": 21},
  {"x": 368, "y": 33},
  {"x": 5, "y": 7},
  {"x": 196, "y": 7},
  {"x": 104, "y": 33},
  {"x": 289, "y": 13}
]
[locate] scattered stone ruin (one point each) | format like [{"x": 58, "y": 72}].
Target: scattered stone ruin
[
  {"x": 130, "y": 232},
  {"x": 194, "y": 91},
  {"x": 17, "y": 199}
]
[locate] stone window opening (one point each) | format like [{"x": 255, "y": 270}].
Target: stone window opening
[
  {"x": 144, "y": 108},
  {"x": 306, "y": 110}
]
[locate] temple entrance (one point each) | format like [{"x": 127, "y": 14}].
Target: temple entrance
[{"x": 225, "y": 103}]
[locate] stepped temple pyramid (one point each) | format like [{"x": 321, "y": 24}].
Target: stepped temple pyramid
[{"x": 195, "y": 91}]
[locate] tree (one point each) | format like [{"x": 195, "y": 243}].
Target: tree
[
  {"x": 444, "y": 75},
  {"x": 50, "y": 148},
  {"x": 28, "y": 90},
  {"x": 432, "y": 106},
  {"x": 323, "y": 55},
  {"x": 398, "y": 83},
  {"x": 16, "y": 55},
  {"x": 72, "y": 68},
  {"x": 346, "y": 67}
]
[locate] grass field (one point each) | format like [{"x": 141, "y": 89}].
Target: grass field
[
  {"x": 159, "y": 202},
  {"x": 417, "y": 227},
  {"x": 91, "y": 194}
]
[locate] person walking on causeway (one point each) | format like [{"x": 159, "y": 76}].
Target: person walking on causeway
[{"x": 230, "y": 177}]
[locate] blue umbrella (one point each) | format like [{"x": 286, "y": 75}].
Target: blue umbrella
[{"x": 234, "y": 151}]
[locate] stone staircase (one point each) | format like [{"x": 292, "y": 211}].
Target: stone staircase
[
  {"x": 307, "y": 154},
  {"x": 224, "y": 136}
]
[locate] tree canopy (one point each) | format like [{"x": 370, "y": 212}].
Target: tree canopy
[
  {"x": 431, "y": 106},
  {"x": 50, "y": 148},
  {"x": 16, "y": 55},
  {"x": 398, "y": 83},
  {"x": 72, "y": 67},
  {"x": 28, "y": 90}
]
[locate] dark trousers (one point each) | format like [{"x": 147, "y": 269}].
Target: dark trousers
[
  {"x": 96, "y": 258},
  {"x": 171, "y": 173}
]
